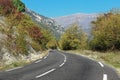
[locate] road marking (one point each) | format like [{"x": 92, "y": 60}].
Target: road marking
[
  {"x": 61, "y": 64},
  {"x": 47, "y": 54},
  {"x": 104, "y": 76},
  {"x": 65, "y": 58},
  {"x": 45, "y": 73},
  {"x": 101, "y": 64},
  {"x": 64, "y": 61},
  {"x": 38, "y": 61},
  {"x": 13, "y": 69},
  {"x": 45, "y": 57}
]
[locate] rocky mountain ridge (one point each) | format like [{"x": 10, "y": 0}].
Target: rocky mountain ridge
[{"x": 83, "y": 20}]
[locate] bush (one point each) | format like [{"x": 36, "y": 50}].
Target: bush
[
  {"x": 106, "y": 32},
  {"x": 73, "y": 38},
  {"x": 6, "y": 7},
  {"x": 19, "y": 5},
  {"x": 11, "y": 6},
  {"x": 35, "y": 33},
  {"x": 36, "y": 46},
  {"x": 52, "y": 44}
]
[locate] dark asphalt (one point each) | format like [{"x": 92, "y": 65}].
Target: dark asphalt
[{"x": 61, "y": 66}]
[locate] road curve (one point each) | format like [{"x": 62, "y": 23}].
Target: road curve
[{"x": 61, "y": 66}]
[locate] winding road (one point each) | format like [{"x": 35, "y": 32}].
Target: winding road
[{"x": 61, "y": 66}]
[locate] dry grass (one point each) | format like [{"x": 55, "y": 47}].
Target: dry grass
[{"x": 22, "y": 63}]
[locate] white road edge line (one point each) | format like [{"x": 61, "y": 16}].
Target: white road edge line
[
  {"x": 45, "y": 73},
  {"x": 13, "y": 69},
  {"x": 104, "y": 76},
  {"x": 44, "y": 58},
  {"x": 38, "y": 61},
  {"x": 48, "y": 54},
  {"x": 101, "y": 64}
]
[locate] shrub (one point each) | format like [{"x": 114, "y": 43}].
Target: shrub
[
  {"x": 19, "y": 5},
  {"x": 73, "y": 38},
  {"x": 106, "y": 32}
]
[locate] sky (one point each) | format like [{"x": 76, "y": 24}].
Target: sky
[{"x": 56, "y": 8}]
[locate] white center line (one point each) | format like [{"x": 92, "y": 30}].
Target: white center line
[
  {"x": 104, "y": 76},
  {"x": 64, "y": 61},
  {"x": 38, "y": 61},
  {"x": 65, "y": 58},
  {"x": 101, "y": 64},
  {"x": 45, "y": 73},
  {"x": 13, "y": 69},
  {"x": 61, "y": 64}
]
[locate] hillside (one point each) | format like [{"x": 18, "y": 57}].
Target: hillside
[
  {"x": 21, "y": 38},
  {"x": 46, "y": 23}
]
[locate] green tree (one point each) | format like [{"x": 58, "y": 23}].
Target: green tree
[
  {"x": 52, "y": 44},
  {"x": 73, "y": 38},
  {"x": 47, "y": 38},
  {"x": 19, "y": 5},
  {"x": 106, "y": 32}
]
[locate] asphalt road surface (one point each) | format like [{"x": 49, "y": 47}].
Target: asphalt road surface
[{"x": 61, "y": 66}]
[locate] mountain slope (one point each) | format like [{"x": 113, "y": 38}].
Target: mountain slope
[
  {"x": 17, "y": 44},
  {"x": 83, "y": 20},
  {"x": 20, "y": 37},
  {"x": 46, "y": 23}
]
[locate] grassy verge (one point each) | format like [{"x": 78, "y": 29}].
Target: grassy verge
[
  {"x": 22, "y": 63},
  {"x": 13, "y": 65},
  {"x": 110, "y": 58}
]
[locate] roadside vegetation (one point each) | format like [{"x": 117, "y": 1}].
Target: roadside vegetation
[
  {"x": 73, "y": 38},
  {"x": 21, "y": 30},
  {"x": 104, "y": 43},
  {"x": 22, "y": 36},
  {"x": 105, "y": 34}
]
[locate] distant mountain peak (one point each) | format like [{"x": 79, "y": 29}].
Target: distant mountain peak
[
  {"x": 79, "y": 15},
  {"x": 83, "y": 20}
]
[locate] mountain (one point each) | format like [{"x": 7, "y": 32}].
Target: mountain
[
  {"x": 46, "y": 23},
  {"x": 83, "y": 20}
]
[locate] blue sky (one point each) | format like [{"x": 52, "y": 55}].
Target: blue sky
[{"x": 56, "y": 8}]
